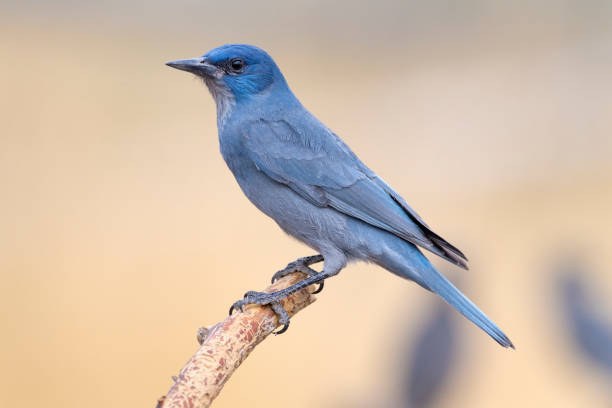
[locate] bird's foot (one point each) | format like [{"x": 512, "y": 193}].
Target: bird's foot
[
  {"x": 273, "y": 299},
  {"x": 261, "y": 298},
  {"x": 301, "y": 265}
]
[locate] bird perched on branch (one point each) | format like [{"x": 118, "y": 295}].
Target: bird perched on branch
[{"x": 298, "y": 172}]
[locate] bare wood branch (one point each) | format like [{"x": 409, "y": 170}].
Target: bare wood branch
[{"x": 226, "y": 345}]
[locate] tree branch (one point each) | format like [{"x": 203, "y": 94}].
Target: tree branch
[{"x": 226, "y": 345}]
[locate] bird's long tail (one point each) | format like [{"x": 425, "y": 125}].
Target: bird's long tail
[
  {"x": 425, "y": 274},
  {"x": 440, "y": 285},
  {"x": 437, "y": 283}
]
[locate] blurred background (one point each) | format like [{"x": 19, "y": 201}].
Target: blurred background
[{"x": 123, "y": 230}]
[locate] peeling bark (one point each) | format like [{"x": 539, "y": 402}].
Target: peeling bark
[{"x": 226, "y": 345}]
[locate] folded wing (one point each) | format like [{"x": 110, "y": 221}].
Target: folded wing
[{"x": 318, "y": 166}]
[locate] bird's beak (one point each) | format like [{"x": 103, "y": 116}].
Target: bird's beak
[{"x": 198, "y": 66}]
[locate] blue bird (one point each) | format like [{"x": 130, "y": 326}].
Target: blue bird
[{"x": 303, "y": 176}]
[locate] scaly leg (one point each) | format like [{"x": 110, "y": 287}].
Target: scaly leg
[
  {"x": 273, "y": 299},
  {"x": 301, "y": 265}
]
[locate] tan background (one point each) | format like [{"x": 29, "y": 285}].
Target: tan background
[{"x": 123, "y": 231}]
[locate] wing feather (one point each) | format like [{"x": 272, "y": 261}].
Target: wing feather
[{"x": 318, "y": 166}]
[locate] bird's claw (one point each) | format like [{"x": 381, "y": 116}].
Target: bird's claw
[
  {"x": 283, "y": 317},
  {"x": 237, "y": 305},
  {"x": 249, "y": 298},
  {"x": 261, "y": 298},
  {"x": 290, "y": 268},
  {"x": 301, "y": 265}
]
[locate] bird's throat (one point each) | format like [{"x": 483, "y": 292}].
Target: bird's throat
[{"x": 224, "y": 99}]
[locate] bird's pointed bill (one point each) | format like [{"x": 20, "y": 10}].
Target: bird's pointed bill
[{"x": 198, "y": 66}]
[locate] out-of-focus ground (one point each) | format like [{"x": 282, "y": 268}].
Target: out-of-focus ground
[{"x": 123, "y": 231}]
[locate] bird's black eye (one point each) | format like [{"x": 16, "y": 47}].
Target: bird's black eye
[{"x": 237, "y": 64}]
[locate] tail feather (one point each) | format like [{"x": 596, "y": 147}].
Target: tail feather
[{"x": 440, "y": 285}]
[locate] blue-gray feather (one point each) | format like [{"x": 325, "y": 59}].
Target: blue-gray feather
[{"x": 298, "y": 172}]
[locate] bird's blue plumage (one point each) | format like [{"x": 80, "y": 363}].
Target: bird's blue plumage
[{"x": 294, "y": 169}]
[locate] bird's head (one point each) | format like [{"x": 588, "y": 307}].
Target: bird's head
[{"x": 234, "y": 72}]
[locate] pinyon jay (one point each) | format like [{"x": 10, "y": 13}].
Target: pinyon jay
[{"x": 303, "y": 176}]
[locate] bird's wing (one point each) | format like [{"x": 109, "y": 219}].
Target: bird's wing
[{"x": 317, "y": 165}]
